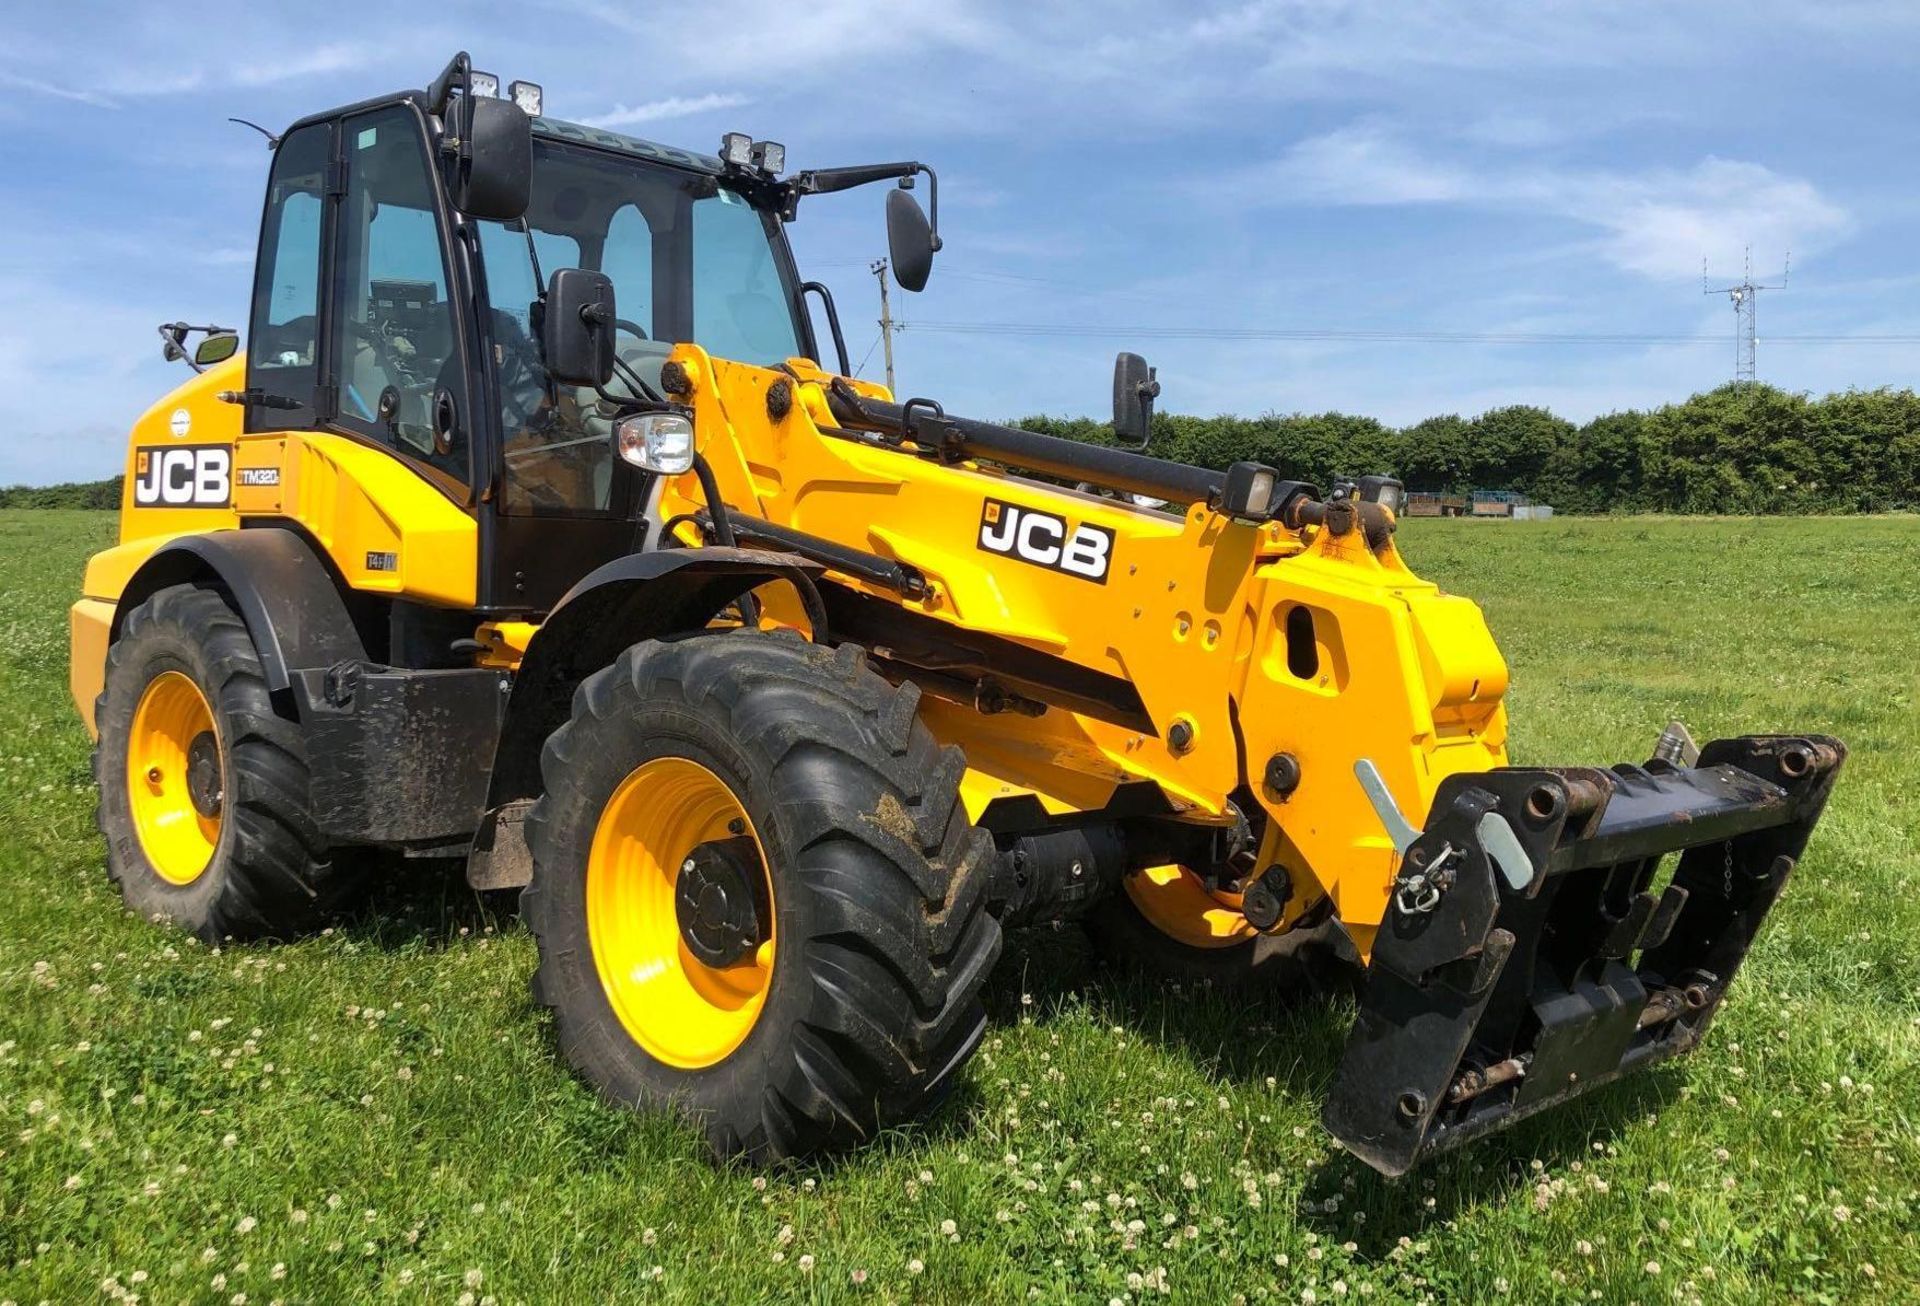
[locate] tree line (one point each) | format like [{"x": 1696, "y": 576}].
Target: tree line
[
  {"x": 68, "y": 494},
  {"x": 1738, "y": 449}
]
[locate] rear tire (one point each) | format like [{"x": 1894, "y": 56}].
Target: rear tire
[
  {"x": 213, "y": 830},
  {"x": 879, "y": 942}
]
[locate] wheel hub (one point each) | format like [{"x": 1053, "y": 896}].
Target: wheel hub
[
  {"x": 175, "y": 790},
  {"x": 204, "y": 786},
  {"x": 718, "y": 900}
]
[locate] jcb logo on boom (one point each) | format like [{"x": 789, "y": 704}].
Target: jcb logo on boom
[
  {"x": 1045, "y": 540},
  {"x": 183, "y": 476}
]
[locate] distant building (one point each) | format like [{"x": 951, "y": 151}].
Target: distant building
[{"x": 1480, "y": 503}]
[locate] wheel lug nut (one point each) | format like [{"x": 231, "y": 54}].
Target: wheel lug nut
[{"x": 153, "y": 776}]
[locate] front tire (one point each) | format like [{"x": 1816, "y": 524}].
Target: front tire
[
  {"x": 834, "y": 989},
  {"x": 203, "y": 786}
]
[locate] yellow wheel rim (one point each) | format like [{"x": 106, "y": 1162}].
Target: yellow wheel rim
[
  {"x": 683, "y": 1011},
  {"x": 1180, "y": 906},
  {"x": 175, "y": 778}
]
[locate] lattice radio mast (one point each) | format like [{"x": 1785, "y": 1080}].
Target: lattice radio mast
[{"x": 1746, "y": 299}]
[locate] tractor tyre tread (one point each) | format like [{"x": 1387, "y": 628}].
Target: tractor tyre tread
[
  {"x": 272, "y": 873},
  {"x": 882, "y": 934}
]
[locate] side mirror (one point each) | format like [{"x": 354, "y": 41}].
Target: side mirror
[
  {"x": 216, "y": 348},
  {"x": 1134, "y": 390},
  {"x": 493, "y": 160},
  {"x": 910, "y": 240},
  {"x": 576, "y": 329}
]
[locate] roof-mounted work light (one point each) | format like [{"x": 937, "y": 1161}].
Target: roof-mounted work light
[
  {"x": 527, "y": 96},
  {"x": 484, "y": 84},
  {"x": 736, "y": 150},
  {"x": 770, "y": 157}
]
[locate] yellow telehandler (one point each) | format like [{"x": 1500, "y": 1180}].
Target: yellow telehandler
[{"x": 535, "y": 527}]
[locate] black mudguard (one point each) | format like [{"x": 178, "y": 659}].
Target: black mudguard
[{"x": 1512, "y": 973}]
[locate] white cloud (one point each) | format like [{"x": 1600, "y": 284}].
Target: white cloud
[
  {"x": 656, "y": 110},
  {"x": 1658, "y": 223},
  {"x": 150, "y": 74},
  {"x": 36, "y": 86}
]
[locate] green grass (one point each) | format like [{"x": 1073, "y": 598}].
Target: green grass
[{"x": 374, "y": 1113}]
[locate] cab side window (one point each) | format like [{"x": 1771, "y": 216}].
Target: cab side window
[
  {"x": 283, "y": 346},
  {"x": 398, "y": 352}
]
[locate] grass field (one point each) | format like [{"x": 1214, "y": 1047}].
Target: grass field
[{"x": 374, "y": 1113}]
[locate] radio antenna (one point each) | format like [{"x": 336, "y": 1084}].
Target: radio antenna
[{"x": 273, "y": 142}]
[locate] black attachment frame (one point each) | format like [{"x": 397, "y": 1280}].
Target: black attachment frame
[{"x": 1526, "y": 956}]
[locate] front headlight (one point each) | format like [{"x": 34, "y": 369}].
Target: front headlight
[{"x": 657, "y": 442}]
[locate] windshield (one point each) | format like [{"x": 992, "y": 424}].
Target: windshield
[{"x": 689, "y": 260}]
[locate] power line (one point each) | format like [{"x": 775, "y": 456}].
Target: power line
[
  {"x": 1408, "y": 336},
  {"x": 869, "y": 354}
]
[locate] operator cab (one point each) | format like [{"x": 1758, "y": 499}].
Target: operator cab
[
  {"x": 406, "y": 249},
  {"x": 689, "y": 259}
]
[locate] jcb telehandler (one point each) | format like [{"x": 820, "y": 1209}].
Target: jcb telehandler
[{"x": 535, "y": 527}]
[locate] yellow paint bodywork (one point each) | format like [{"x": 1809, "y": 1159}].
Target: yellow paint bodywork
[
  {"x": 1192, "y": 614},
  {"x": 385, "y": 527}
]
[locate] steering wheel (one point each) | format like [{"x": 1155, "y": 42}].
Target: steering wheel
[
  {"x": 382, "y": 346},
  {"x": 632, "y": 327},
  {"x": 399, "y": 373},
  {"x": 522, "y": 373}
]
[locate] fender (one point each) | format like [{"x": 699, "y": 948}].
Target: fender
[
  {"x": 640, "y": 596},
  {"x": 289, "y": 600}
]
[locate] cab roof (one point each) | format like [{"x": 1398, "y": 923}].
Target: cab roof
[
  {"x": 557, "y": 129},
  {"x": 633, "y": 145}
]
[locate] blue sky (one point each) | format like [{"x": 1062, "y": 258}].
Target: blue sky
[{"x": 1114, "y": 169}]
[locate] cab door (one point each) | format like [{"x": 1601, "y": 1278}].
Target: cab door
[
  {"x": 561, "y": 501},
  {"x": 359, "y": 359}
]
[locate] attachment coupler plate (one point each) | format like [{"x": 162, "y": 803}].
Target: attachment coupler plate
[{"x": 1529, "y": 955}]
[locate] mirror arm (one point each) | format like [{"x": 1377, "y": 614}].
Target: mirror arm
[
  {"x": 825, "y": 181},
  {"x": 175, "y": 350},
  {"x": 933, "y": 203},
  {"x": 457, "y": 74},
  {"x": 175, "y": 335}
]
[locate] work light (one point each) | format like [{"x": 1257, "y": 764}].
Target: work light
[
  {"x": 1386, "y": 491},
  {"x": 736, "y": 150},
  {"x": 527, "y": 96},
  {"x": 657, "y": 442},
  {"x": 1248, "y": 493},
  {"x": 770, "y": 157},
  {"x": 484, "y": 84}
]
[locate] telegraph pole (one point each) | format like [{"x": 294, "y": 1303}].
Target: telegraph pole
[
  {"x": 1746, "y": 300},
  {"x": 879, "y": 270}
]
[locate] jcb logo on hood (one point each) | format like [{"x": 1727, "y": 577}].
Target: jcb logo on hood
[
  {"x": 183, "y": 476},
  {"x": 1046, "y": 540}
]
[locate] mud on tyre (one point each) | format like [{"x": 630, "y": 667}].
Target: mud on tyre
[
  {"x": 203, "y": 785},
  {"x": 785, "y": 938}
]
